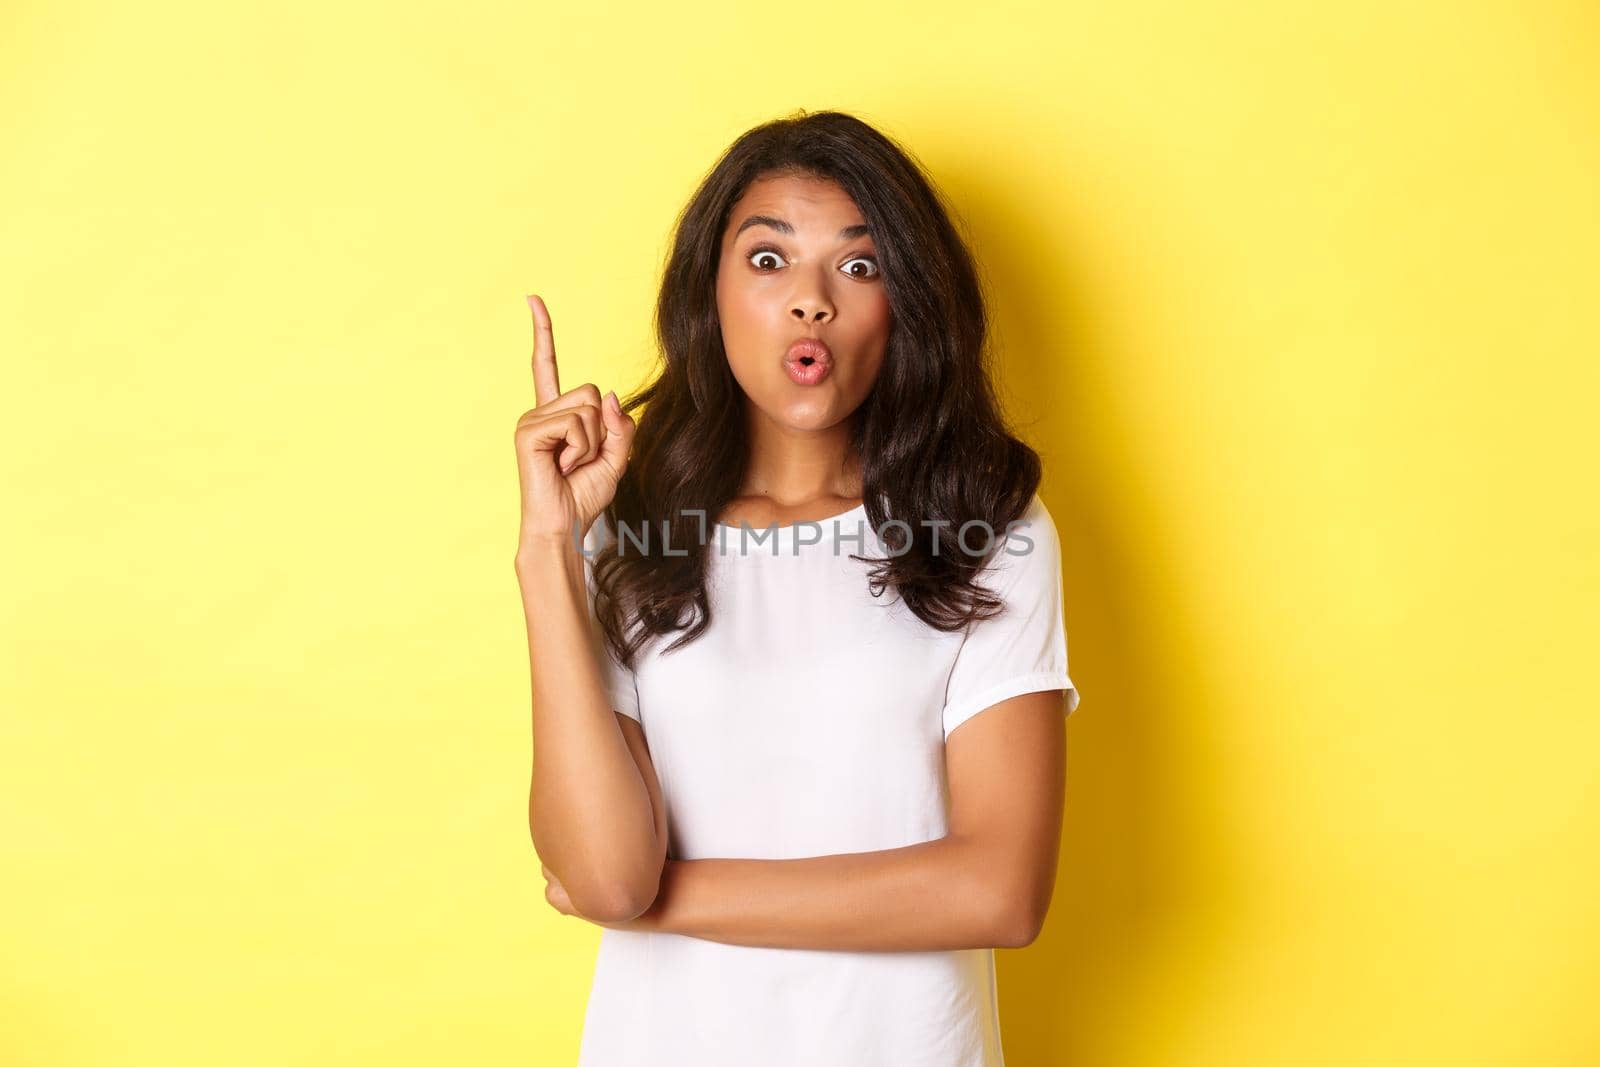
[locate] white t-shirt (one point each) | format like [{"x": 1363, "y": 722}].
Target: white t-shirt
[{"x": 809, "y": 720}]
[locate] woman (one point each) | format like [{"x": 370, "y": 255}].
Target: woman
[{"x": 798, "y": 730}]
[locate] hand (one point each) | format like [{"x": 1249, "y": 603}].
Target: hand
[{"x": 572, "y": 447}]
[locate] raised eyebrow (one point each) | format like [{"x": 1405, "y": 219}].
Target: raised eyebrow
[{"x": 849, "y": 233}]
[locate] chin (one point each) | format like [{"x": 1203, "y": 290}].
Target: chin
[{"x": 819, "y": 413}]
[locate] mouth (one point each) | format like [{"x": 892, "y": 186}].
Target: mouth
[{"x": 808, "y": 361}]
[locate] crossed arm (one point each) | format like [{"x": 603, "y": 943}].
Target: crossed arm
[{"x": 987, "y": 883}]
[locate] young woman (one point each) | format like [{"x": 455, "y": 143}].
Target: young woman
[{"x": 798, "y": 659}]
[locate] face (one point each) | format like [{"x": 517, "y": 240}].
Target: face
[{"x": 807, "y": 273}]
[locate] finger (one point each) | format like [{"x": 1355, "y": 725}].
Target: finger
[
  {"x": 594, "y": 429},
  {"x": 557, "y": 897},
  {"x": 546, "y": 382},
  {"x": 572, "y": 400},
  {"x": 579, "y": 395},
  {"x": 620, "y": 428},
  {"x": 551, "y": 432}
]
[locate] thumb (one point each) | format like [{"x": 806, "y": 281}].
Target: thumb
[{"x": 620, "y": 429}]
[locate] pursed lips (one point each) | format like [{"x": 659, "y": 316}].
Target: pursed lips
[{"x": 809, "y": 348}]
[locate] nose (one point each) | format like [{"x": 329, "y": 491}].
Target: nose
[{"x": 812, "y": 305}]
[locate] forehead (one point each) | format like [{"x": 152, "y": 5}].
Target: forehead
[{"x": 805, "y": 201}]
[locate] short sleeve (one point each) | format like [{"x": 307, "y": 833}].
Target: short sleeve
[
  {"x": 620, "y": 685},
  {"x": 1024, "y": 648}
]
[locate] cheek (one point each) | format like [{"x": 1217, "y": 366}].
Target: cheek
[
  {"x": 876, "y": 320},
  {"x": 869, "y": 306},
  {"x": 741, "y": 320},
  {"x": 885, "y": 316},
  {"x": 737, "y": 307},
  {"x": 874, "y": 317}
]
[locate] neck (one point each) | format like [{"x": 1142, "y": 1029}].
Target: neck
[{"x": 794, "y": 467}]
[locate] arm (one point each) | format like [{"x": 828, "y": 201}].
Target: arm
[
  {"x": 987, "y": 883},
  {"x": 594, "y": 805}
]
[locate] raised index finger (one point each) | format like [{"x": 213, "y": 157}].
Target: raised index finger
[{"x": 546, "y": 382}]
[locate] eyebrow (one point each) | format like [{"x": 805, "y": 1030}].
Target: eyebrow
[{"x": 849, "y": 233}]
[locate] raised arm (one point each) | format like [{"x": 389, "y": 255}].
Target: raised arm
[{"x": 594, "y": 809}]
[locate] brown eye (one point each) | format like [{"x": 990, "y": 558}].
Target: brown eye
[
  {"x": 761, "y": 253},
  {"x": 872, "y": 263}
]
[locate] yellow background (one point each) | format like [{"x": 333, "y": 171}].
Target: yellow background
[{"x": 1299, "y": 302}]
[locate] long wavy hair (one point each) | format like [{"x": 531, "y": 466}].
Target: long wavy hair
[{"x": 931, "y": 439}]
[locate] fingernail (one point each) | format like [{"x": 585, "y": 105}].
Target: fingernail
[
  {"x": 529, "y": 299},
  {"x": 611, "y": 402}
]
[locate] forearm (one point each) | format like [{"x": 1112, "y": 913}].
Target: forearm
[
  {"x": 589, "y": 811},
  {"x": 942, "y": 894}
]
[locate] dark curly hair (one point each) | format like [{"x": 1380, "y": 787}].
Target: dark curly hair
[{"x": 930, "y": 436}]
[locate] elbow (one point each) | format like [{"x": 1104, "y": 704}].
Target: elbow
[
  {"x": 622, "y": 902},
  {"x": 632, "y": 895},
  {"x": 1006, "y": 896},
  {"x": 625, "y": 894},
  {"x": 1017, "y": 916},
  {"x": 611, "y": 897},
  {"x": 1018, "y": 929},
  {"x": 606, "y": 888}
]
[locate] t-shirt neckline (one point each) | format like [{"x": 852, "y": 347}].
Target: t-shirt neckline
[{"x": 785, "y": 534}]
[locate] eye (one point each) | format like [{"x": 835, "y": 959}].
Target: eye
[
  {"x": 873, "y": 273},
  {"x": 759, "y": 251},
  {"x": 755, "y": 256}
]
